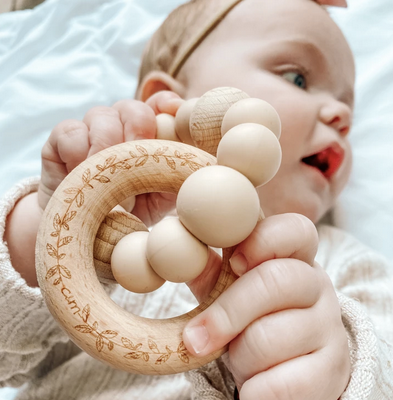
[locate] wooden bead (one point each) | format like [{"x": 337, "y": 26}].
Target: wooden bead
[
  {"x": 115, "y": 226},
  {"x": 251, "y": 149},
  {"x": 252, "y": 110},
  {"x": 166, "y": 127},
  {"x": 218, "y": 205},
  {"x": 182, "y": 121},
  {"x": 206, "y": 118},
  {"x": 130, "y": 266},
  {"x": 174, "y": 253}
]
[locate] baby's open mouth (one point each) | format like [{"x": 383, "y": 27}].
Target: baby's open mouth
[{"x": 327, "y": 161}]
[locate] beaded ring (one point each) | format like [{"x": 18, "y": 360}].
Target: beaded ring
[{"x": 82, "y": 240}]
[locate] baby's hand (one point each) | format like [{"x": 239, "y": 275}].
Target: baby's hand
[
  {"x": 72, "y": 141},
  {"x": 281, "y": 318}
]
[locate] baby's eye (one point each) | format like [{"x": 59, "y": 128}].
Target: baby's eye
[{"x": 295, "y": 78}]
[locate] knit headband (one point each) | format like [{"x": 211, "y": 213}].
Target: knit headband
[{"x": 194, "y": 42}]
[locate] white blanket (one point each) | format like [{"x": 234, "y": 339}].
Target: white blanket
[{"x": 64, "y": 57}]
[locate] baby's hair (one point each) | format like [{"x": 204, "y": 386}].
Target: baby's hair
[{"x": 184, "y": 29}]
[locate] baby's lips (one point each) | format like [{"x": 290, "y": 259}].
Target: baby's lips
[
  {"x": 334, "y": 156},
  {"x": 337, "y": 3}
]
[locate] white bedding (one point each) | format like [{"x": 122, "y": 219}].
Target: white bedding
[{"x": 63, "y": 57}]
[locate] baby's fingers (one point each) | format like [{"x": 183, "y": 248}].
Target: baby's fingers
[
  {"x": 278, "y": 236},
  {"x": 273, "y": 286},
  {"x": 316, "y": 376},
  {"x": 165, "y": 102},
  {"x": 66, "y": 147},
  {"x": 138, "y": 119}
]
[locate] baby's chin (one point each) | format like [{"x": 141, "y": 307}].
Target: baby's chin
[{"x": 313, "y": 209}]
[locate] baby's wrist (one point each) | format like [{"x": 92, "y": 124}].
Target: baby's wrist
[{"x": 20, "y": 235}]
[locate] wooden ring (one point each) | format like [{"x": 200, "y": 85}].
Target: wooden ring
[{"x": 65, "y": 267}]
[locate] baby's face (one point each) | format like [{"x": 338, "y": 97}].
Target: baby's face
[{"x": 291, "y": 54}]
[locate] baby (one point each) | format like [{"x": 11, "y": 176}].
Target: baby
[{"x": 293, "y": 327}]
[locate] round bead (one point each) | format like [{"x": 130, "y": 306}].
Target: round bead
[
  {"x": 251, "y": 149},
  {"x": 252, "y": 110},
  {"x": 130, "y": 266},
  {"x": 207, "y": 115},
  {"x": 174, "y": 253},
  {"x": 182, "y": 121},
  {"x": 166, "y": 127},
  {"x": 129, "y": 203},
  {"x": 218, "y": 205}
]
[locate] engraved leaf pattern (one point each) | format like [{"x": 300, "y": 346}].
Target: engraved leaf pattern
[
  {"x": 51, "y": 250},
  {"x": 66, "y": 240},
  {"x": 65, "y": 272},
  {"x": 162, "y": 359},
  {"x": 171, "y": 164},
  {"x": 153, "y": 346},
  {"x": 99, "y": 343},
  {"x": 51, "y": 272},
  {"x": 84, "y": 328},
  {"x": 86, "y": 313}
]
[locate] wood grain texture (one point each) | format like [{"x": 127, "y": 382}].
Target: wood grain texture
[
  {"x": 115, "y": 226},
  {"x": 65, "y": 262},
  {"x": 207, "y": 116}
]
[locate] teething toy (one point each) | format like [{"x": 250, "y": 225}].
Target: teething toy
[{"x": 80, "y": 232}]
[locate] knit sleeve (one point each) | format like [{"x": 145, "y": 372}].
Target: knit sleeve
[
  {"x": 212, "y": 381},
  {"x": 364, "y": 284},
  {"x": 27, "y": 331}
]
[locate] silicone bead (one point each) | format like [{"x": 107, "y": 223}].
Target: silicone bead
[
  {"x": 251, "y": 149},
  {"x": 218, "y": 205},
  {"x": 182, "y": 121},
  {"x": 174, "y": 253},
  {"x": 166, "y": 127},
  {"x": 251, "y": 110},
  {"x": 130, "y": 266}
]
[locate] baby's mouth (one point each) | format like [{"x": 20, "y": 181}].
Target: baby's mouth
[{"x": 327, "y": 161}]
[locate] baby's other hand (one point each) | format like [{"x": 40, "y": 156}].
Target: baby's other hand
[
  {"x": 73, "y": 141},
  {"x": 281, "y": 318}
]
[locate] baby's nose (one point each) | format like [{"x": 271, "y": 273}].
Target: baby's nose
[{"x": 337, "y": 115}]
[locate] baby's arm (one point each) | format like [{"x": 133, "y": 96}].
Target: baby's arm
[
  {"x": 70, "y": 143},
  {"x": 28, "y": 333},
  {"x": 281, "y": 318}
]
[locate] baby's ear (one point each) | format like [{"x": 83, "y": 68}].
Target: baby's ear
[{"x": 156, "y": 81}]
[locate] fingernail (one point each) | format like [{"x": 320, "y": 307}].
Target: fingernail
[
  {"x": 239, "y": 264},
  {"x": 198, "y": 337}
]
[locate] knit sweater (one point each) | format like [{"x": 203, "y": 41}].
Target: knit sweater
[{"x": 35, "y": 352}]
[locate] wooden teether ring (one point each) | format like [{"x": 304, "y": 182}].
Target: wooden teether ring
[{"x": 65, "y": 266}]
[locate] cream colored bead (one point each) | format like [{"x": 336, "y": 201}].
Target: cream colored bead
[
  {"x": 251, "y": 149},
  {"x": 252, "y": 110},
  {"x": 166, "y": 127},
  {"x": 174, "y": 253},
  {"x": 129, "y": 203},
  {"x": 182, "y": 121},
  {"x": 218, "y": 205},
  {"x": 130, "y": 266}
]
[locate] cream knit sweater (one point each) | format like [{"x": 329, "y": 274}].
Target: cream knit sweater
[{"x": 35, "y": 353}]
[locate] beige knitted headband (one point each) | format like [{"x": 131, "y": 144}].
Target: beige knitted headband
[{"x": 195, "y": 41}]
